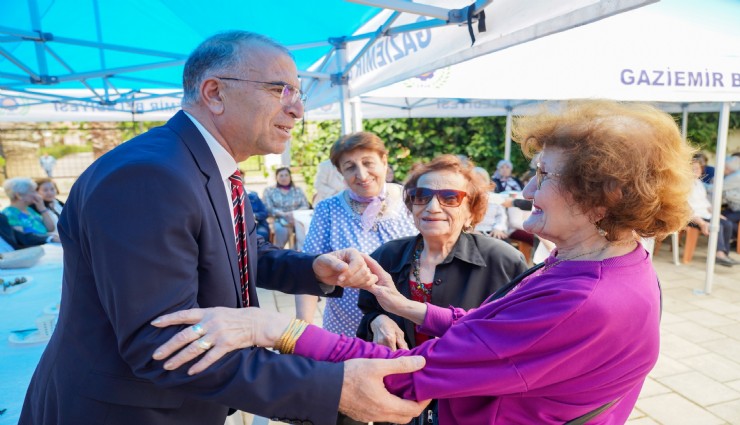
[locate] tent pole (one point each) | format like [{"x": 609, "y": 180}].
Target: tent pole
[
  {"x": 356, "y": 110},
  {"x": 345, "y": 111},
  {"x": 724, "y": 124},
  {"x": 684, "y": 134},
  {"x": 507, "y": 142}
]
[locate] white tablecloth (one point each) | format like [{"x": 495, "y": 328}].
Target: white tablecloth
[
  {"x": 302, "y": 219},
  {"x": 19, "y": 310}
]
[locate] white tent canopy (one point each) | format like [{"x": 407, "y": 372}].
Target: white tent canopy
[{"x": 673, "y": 51}]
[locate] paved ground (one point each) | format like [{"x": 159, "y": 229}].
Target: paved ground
[{"x": 697, "y": 378}]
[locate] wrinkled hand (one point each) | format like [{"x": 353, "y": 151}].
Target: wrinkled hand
[
  {"x": 386, "y": 332},
  {"x": 364, "y": 397},
  {"x": 385, "y": 290},
  {"x": 224, "y": 329},
  {"x": 346, "y": 268},
  {"x": 704, "y": 227}
]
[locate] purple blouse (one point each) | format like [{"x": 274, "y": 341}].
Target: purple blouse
[{"x": 562, "y": 343}]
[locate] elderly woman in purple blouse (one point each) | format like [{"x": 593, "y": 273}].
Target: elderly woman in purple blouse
[{"x": 574, "y": 339}]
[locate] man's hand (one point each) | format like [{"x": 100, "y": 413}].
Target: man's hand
[
  {"x": 364, "y": 397},
  {"x": 346, "y": 268},
  {"x": 386, "y": 332}
]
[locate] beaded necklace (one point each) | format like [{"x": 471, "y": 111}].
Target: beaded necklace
[
  {"x": 553, "y": 264},
  {"x": 417, "y": 268}
]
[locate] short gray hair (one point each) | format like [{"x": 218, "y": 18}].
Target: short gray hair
[
  {"x": 220, "y": 52},
  {"x": 19, "y": 186}
]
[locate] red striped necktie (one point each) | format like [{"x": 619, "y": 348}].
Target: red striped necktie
[{"x": 240, "y": 231}]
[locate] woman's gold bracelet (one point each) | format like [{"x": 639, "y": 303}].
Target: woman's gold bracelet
[{"x": 287, "y": 341}]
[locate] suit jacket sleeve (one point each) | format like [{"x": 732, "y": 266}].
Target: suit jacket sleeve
[{"x": 147, "y": 231}]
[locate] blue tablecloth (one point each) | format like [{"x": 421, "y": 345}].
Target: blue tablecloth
[{"x": 19, "y": 310}]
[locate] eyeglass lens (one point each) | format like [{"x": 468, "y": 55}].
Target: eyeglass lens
[
  {"x": 291, "y": 95},
  {"x": 446, "y": 197}
]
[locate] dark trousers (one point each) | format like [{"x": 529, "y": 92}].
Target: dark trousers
[{"x": 724, "y": 235}]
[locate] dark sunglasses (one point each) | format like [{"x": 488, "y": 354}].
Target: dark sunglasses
[{"x": 446, "y": 197}]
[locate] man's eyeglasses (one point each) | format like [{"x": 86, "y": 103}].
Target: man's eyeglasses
[
  {"x": 446, "y": 197},
  {"x": 542, "y": 175},
  {"x": 289, "y": 95}
]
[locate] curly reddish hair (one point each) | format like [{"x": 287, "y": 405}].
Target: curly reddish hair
[
  {"x": 477, "y": 188},
  {"x": 627, "y": 158}
]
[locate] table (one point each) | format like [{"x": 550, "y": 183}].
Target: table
[{"x": 19, "y": 311}]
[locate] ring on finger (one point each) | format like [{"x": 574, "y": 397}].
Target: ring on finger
[
  {"x": 198, "y": 329},
  {"x": 203, "y": 344}
]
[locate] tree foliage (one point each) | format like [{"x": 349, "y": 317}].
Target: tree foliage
[
  {"x": 703, "y": 128},
  {"x": 412, "y": 140}
]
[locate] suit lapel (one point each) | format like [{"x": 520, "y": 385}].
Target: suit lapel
[{"x": 214, "y": 187}]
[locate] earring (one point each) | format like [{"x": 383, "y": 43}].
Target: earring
[
  {"x": 601, "y": 231},
  {"x": 467, "y": 228}
]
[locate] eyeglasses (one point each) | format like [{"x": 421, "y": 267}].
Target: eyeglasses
[
  {"x": 542, "y": 175},
  {"x": 446, "y": 197},
  {"x": 289, "y": 94}
]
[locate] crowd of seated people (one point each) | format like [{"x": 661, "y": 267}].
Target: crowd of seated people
[{"x": 32, "y": 215}]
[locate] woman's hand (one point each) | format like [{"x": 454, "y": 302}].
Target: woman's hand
[
  {"x": 386, "y": 332},
  {"x": 216, "y": 332},
  {"x": 347, "y": 268},
  {"x": 38, "y": 202},
  {"x": 390, "y": 299},
  {"x": 385, "y": 290}
]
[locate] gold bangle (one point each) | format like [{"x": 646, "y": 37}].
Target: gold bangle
[{"x": 287, "y": 341}]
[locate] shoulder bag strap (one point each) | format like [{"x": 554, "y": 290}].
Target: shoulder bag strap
[{"x": 581, "y": 420}]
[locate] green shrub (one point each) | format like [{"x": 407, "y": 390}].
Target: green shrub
[{"x": 60, "y": 150}]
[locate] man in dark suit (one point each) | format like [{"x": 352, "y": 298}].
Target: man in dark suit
[
  {"x": 149, "y": 229},
  {"x": 18, "y": 240}
]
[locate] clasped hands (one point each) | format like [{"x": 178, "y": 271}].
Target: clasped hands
[{"x": 217, "y": 331}]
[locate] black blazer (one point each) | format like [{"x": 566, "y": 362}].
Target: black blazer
[
  {"x": 146, "y": 231},
  {"x": 16, "y": 238},
  {"x": 475, "y": 268}
]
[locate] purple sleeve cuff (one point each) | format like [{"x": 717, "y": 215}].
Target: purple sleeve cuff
[
  {"x": 437, "y": 320},
  {"x": 316, "y": 343}
]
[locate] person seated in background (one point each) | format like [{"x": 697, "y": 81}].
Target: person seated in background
[
  {"x": 707, "y": 171},
  {"x": 328, "y": 182},
  {"x": 731, "y": 191},
  {"x": 22, "y": 194},
  {"x": 260, "y": 215},
  {"x": 281, "y": 200},
  {"x": 702, "y": 213},
  {"x": 494, "y": 222},
  {"x": 504, "y": 180},
  {"x": 12, "y": 239},
  {"x": 48, "y": 190}
]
